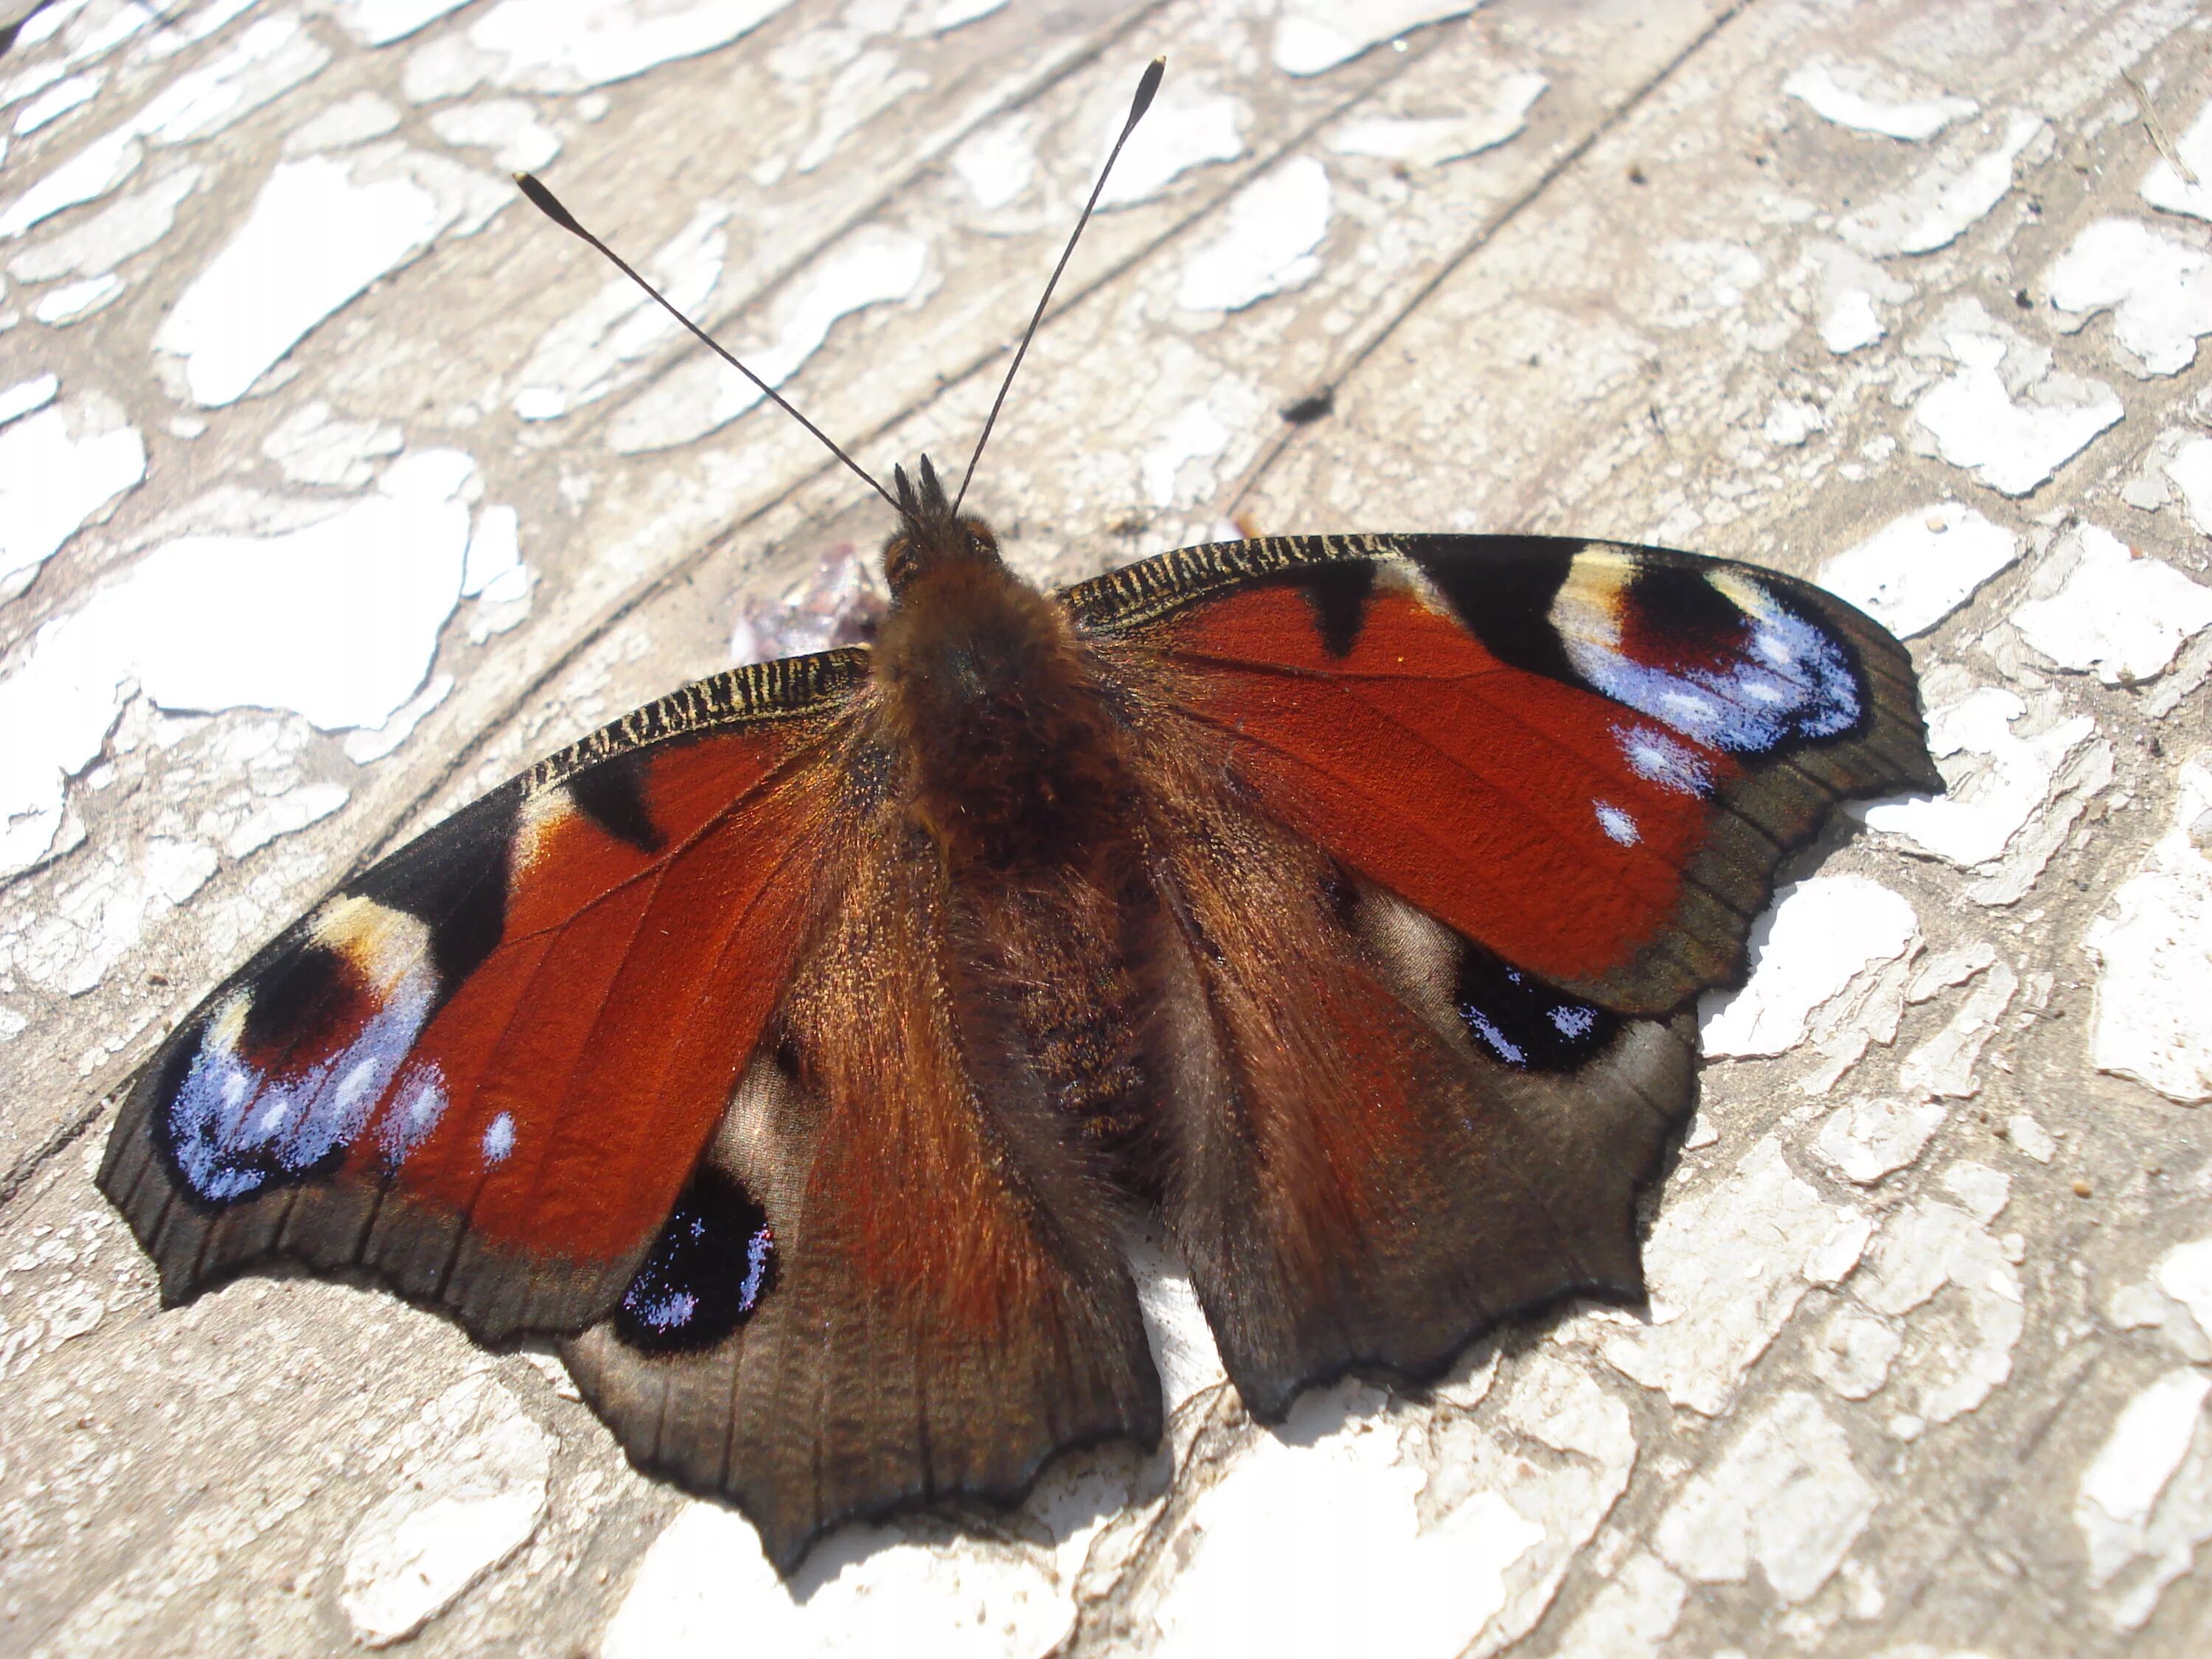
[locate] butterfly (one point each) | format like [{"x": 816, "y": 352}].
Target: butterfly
[{"x": 795, "y": 1051}]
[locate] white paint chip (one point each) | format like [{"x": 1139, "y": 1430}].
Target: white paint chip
[
  {"x": 1267, "y": 246},
  {"x": 2162, "y": 187},
  {"x": 1785, "y": 1495},
  {"x": 337, "y": 621},
  {"x": 1866, "y": 1140},
  {"x": 872, "y": 266},
  {"x": 56, "y": 101},
  {"x": 1727, "y": 1267},
  {"x": 1818, "y": 936},
  {"x": 1190, "y": 126},
  {"x": 1431, "y": 141},
  {"x": 2117, "y": 614},
  {"x": 509, "y": 127},
  {"x": 1946, "y": 199},
  {"x": 475, "y": 1492},
  {"x": 2005, "y": 414},
  {"x": 865, "y": 1591},
  {"x": 321, "y": 230},
  {"x": 1999, "y": 779},
  {"x": 312, "y": 446},
  {"x": 1921, "y": 566},
  {"x": 95, "y": 246},
  {"x": 60, "y": 467},
  {"x": 1315, "y": 36},
  {"x": 2158, "y": 290},
  {"x": 1850, "y": 95},
  {"x": 381, "y": 22},
  {"x": 2153, "y": 945},
  {"x": 2145, "y": 1500},
  {"x": 58, "y": 307},
  {"x": 571, "y": 45}
]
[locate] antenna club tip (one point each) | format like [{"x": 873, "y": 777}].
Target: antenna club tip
[
  {"x": 546, "y": 202},
  {"x": 1146, "y": 87}
]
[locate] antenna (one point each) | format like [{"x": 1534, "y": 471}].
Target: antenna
[
  {"x": 1149, "y": 84},
  {"x": 549, "y": 204}
]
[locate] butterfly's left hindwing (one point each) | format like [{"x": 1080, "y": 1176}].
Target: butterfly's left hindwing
[{"x": 483, "y": 1069}]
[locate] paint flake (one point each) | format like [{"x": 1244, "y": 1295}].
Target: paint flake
[
  {"x": 1267, "y": 245},
  {"x": 2145, "y": 1500},
  {"x": 60, "y": 468},
  {"x": 1850, "y": 95},
  {"x": 572, "y": 46},
  {"x": 2153, "y": 945},
  {"x": 2101, "y": 608},
  {"x": 1944, "y": 200},
  {"x": 1960, "y": 1351},
  {"x": 320, "y": 231},
  {"x": 1312, "y": 36},
  {"x": 2158, "y": 290},
  {"x": 2005, "y": 414},
  {"x": 97, "y": 245},
  {"x": 1785, "y": 1495},
  {"x": 1727, "y": 1267},
  {"x": 1818, "y": 935},
  {"x": 468, "y": 1499},
  {"x": 1866, "y": 1140},
  {"x": 509, "y": 127},
  {"x": 1921, "y": 566},
  {"x": 1190, "y": 126},
  {"x": 381, "y": 22},
  {"x": 1431, "y": 141},
  {"x": 312, "y": 446},
  {"x": 2164, "y": 188}
]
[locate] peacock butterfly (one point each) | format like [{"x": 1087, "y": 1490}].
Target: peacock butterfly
[{"x": 792, "y": 1050}]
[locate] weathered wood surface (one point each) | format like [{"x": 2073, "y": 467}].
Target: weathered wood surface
[{"x": 1927, "y": 1364}]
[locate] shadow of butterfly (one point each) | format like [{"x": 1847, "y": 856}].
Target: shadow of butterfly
[{"x": 795, "y": 1051}]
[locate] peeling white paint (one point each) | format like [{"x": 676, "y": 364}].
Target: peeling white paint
[
  {"x": 59, "y": 469},
  {"x": 2158, "y": 290},
  {"x": 1314, "y": 36},
  {"x": 1921, "y": 566},
  {"x": 509, "y": 127},
  {"x": 350, "y": 121},
  {"x": 1957, "y": 1352},
  {"x": 1854, "y": 1351},
  {"x": 95, "y": 246},
  {"x": 593, "y": 350},
  {"x": 1942, "y": 1067},
  {"x": 1431, "y": 141},
  {"x": 1629, "y": 1617},
  {"x": 997, "y": 162},
  {"x": 874, "y": 266},
  {"x": 58, "y": 307},
  {"x": 571, "y": 45},
  {"x": 1195, "y": 434},
  {"x": 1726, "y": 1269},
  {"x": 469, "y": 1499},
  {"x": 2189, "y": 470},
  {"x": 312, "y": 446},
  {"x": 2153, "y": 945},
  {"x": 321, "y": 230},
  {"x": 1786, "y": 1495},
  {"x": 1267, "y": 246},
  {"x": 1866, "y": 1140},
  {"x": 337, "y": 620},
  {"x": 2145, "y": 1500},
  {"x": 1805, "y": 950},
  {"x": 864, "y": 1590},
  {"x": 1850, "y": 95},
  {"x": 2162, "y": 187},
  {"x": 1192, "y": 124},
  {"x": 2006, "y": 414},
  {"x": 381, "y": 22},
  {"x": 1943, "y": 201},
  {"x": 2103, "y": 608}
]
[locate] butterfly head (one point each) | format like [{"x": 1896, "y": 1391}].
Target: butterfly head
[{"x": 930, "y": 535}]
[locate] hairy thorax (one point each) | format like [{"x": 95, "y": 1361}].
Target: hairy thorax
[{"x": 1012, "y": 762}]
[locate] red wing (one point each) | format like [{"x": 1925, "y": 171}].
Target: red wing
[
  {"x": 1589, "y": 758},
  {"x": 484, "y": 1069}
]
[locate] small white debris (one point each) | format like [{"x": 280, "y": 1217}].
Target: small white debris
[
  {"x": 350, "y": 121},
  {"x": 1431, "y": 141},
  {"x": 1854, "y": 1351},
  {"x": 2119, "y": 615},
  {"x": 1847, "y": 94},
  {"x": 1850, "y": 283},
  {"x": 469, "y": 1499},
  {"x": 1921, "y": 566},
  {"x": 494, "y": 570},
  {"x": 2159, "y": 290},
  {"x": 1194, "y": 435},
  {"x": 2030, "y": 1139},
  {"x": 1785, "y": 1495},
  {"x": 1267, "y": 245},
  {"x": 1314, "y": 36},
  {"x": 1805, "y": 950},
  {"x": 1791, "y": 422},
  {"x": 1939, "y": 204},
  {"x": 2189, "y": 470},
  {"x": 2153, "y": 947}
]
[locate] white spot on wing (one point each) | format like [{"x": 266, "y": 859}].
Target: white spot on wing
[
  {"x": 1617, "y": 824},
  {"x": 499, "y": 1138}
]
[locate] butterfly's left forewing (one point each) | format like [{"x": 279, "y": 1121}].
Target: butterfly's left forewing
[
  {"x": 481, "y": 1070},
  {"x": 1451, "y": 830}
]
